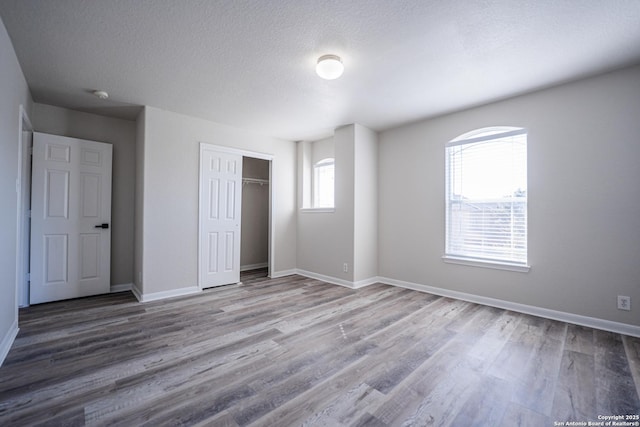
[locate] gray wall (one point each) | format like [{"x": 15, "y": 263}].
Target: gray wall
[
  {"x": 14, "y": 92},
  {"x": 325, "y": 239},
  {"x": 322, "y": 149},
  {"x": 365, "y": 204},
  {"x": 169, "y": 241},
  {"x": 584, "y": 199},
  {"x": 328, "y": 240},
  {"x": 255, "y": 214},
  {"x": 122, "y": 135}
]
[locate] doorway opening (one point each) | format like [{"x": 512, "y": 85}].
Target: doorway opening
[{"x": 254, "y": 242}]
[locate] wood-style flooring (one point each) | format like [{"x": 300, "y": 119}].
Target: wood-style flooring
[{"x": 295, "y": 351}]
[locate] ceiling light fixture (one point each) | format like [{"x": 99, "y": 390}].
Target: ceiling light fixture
[
  {"x": 101, "y": 94},
  {"x": 329, "y": 67}
]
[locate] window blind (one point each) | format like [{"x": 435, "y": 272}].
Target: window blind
[{"x": 486, "y": 190}]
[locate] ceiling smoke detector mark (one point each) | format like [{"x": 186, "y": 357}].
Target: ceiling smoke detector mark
[
  {"x": 100, "y": 94},
  {"x": 624, "y": 303}
]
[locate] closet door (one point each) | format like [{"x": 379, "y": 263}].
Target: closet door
[{"x": 220, "y": 217}]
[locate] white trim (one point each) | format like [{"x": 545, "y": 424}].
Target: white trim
[
  {"x": 155, "y": 296},
  {"x": 592, "y": 322},
  {"x": 336, "y": 281},
  {"x": 328, "y": 279},
  {"x": 520, "y": 131},
  {"x": 318, "y": 210},
  {"x": 237, "y": 151},
  {"x": 8, "y": 340},
  {"x": 497, "y": 265},
  {"x": 136, "y": 292},
  {"x": 25, "y": 117},
  {"x": 122, "y": 287},
  {"x": 283, "y": 273},
  {"x": 253, "y": 266},
  {"x": 366, "y": 282},
  {"x": 271, "y": 253},
  {"x": 22, "y": 286}
]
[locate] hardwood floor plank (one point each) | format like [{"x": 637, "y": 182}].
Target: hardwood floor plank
[
  {"x": 515, "y": 354},
  {"x": 632, "y": 349},
  {"x": 534, "y": 388},
  {"x": 142, "y": 390},
  {"x": 580, "y": 339},
  {"x": 282, "y": 387},
  {"x": 347, "y": 408},
  {"x": 402, "y": 364},
  {"x": 221, "y": 419},
  {"x": 494, "y": 337},
  {"x": 615, "y": 389},
  {"x": 298, "y": 351},
  {"x": 408, "y": 396},
  {"x": 137, "y": 388},
  {"x": 486, "y": 405},
  {"x": 314, "y": 399},
  {"x": 518, "y": 416},
  {"x": 446, "y": 399},
  {"x": 575, "y": 395}
]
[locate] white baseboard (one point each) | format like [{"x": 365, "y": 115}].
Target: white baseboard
[
  {"x": 122, "y": 287},
  {"x": 283, "y": 273},
  {"x": 337, "y": 281},
  {"x": 136, "y": 292},
  {"x": 155, "y": 296},
  {"x": 253, "y": 266},
  {"x": 366, "y": 282},
  {"x": 7, "y": 341},
  {"x": 328, "y": 279},
  {"x": 592, "y": 322}
]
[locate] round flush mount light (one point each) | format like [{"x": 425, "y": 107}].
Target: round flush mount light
[
  {"x": 329, "y": 67},
  {"x": 101, "y": 94}
]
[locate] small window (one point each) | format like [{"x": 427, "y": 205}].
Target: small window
[
  {"x": 323, "y": 183},
  {"x": 486, "y": 197}
]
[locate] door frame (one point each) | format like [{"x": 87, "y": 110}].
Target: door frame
[
  {"x": 23, "y": 193},
  {"x": 244, "y": 153}
]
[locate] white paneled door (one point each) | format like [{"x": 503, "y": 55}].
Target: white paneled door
[
  {"x": 220, "y": 217},
  {"x": 70, "y": 218}
]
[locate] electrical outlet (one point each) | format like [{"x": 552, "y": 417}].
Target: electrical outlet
[
  {"x": 624, "y": 303},
  {"x": 345, "y": 267}
]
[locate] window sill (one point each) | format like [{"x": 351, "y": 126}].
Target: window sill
[
  {"x": 486, "y": 264},
  {"x": 317, "y": 210}
]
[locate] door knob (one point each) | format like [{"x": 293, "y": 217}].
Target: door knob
[{"x": 105, "y": 225}]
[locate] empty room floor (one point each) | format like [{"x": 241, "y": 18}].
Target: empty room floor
[{"x": 296, "y": 351}]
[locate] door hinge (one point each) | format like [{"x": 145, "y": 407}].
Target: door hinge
[
  {"x": 29, "y": 213},
  {"x": 28, "y": 277}
]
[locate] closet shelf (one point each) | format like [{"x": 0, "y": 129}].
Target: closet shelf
[{"x": 255, "y": 181}]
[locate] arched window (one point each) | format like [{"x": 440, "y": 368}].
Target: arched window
[
  {"x": 486, "y": 197},
  {"x": 323, "y": 183}
]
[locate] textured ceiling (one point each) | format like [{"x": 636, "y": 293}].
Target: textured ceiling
[{"x": 250, "y": 64}]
